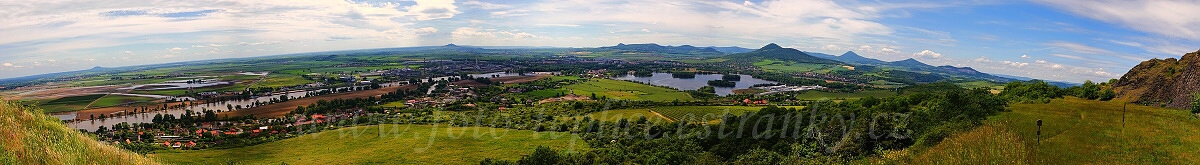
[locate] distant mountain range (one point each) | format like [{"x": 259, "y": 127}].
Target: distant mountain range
[
  {"x": 775, "y": 52},
  {"x": 655, "y": 48}
]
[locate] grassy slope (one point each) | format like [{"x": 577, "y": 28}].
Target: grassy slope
[
  {"x": 1076, "y": 131},
  {"x": 628, "y": 114},
  {"x": 386, "y": 144},
  {"x": 31, "y": 137}
]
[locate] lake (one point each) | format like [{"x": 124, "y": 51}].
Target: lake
[{"x": 701, "y": 80}]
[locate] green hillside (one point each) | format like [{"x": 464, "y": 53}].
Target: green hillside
[
  {"x": 1074, "y": 131},
  {"x": 31, "y": 137}
]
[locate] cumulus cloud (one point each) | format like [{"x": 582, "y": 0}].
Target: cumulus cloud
[
  {"x": 1015, "y": 64},
  {"x": 433, "y": 9},
  {"x": 889, "y": 50},
  {"x": 1024, "y": 56},
  {"x": 832, "y": 47},
  {"x": 487, "y": 36},
  {"x": 927, "y": 54},
  {"x": 8, "y": 64},
  {"x": 1040, "y": 61}
]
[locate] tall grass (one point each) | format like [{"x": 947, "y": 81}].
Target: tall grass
[{"x": 29, "y": 136}]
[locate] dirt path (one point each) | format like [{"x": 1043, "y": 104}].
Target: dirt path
[{"x": 280, "y": 109}]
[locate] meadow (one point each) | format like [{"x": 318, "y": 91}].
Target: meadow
[
  {"x": 385, "y": 144},
  {"x": 114, "y": 100},
  {"x": 71, "y": 103},
  {"x": 789, "y": 66},
  {"x": 1074, "y": 131}
]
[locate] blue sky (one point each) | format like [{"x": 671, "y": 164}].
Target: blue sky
[{"x": 1065, "y": 40}]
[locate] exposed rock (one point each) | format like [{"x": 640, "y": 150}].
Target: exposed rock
[{"x": 1170, "y": 81}]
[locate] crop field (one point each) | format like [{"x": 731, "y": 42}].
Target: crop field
[
  {"x": 114, "y": 100},
  {"x": 821, "y": 95},
  {"x": 626, "y": 90},
  {"x": 1074, "y": 131},
  {"x": 72, "y": 103},
  {"x": 788, "y": 66},
  {"x": 386, "y": 144}
]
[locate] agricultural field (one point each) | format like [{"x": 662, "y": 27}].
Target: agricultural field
[
  {"x": 627, "y": 114},
  {"x": 616, "y": 89},
  {"x": 72, "y": 103},
  {"x": 114, "y": 100},
  {"x": 789, "y": 66},
  {"x": 386, "y": 144},
  {"x": 822, "y": 95},
  {"x": 1074, "y": 131},
  {"x": 281, "y": 80}
]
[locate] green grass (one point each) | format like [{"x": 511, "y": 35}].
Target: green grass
[
  {"x": 821, "y": 95},
  {"x": 395, "y": 104},
  {"x": 114, "y": 100},
  {"x": 789, "y": 66},
  {"x": 171, "y": 92},
  {"x": 627, "y": 114},
  {"x": 32, "y": 137},
  {"x": 387, "y": 144},
  {"x": 282, "y": 80},
  {"x": 624, "y": 90},
  {"x": 980, "y": 84},
  {"x": 72, "y": 103},
  {"x": 1077, "y": 131}
]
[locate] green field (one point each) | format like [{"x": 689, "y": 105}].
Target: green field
[
  {"x": 617, "y": 89},
  {"x": 114, "y": 100},
  {"x": 281, "y": 80},
  {"x": 789, "y": 66},
  {"x": 386, "y": 144},
  {"x": 822, "y": 95},
  {"x": 72, "y": 103},
  {"x": 1074, "y": 131},
  {"x": 395, "y": 104},
  {"x": 627, "y": 114}
]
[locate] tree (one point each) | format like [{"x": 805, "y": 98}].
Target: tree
[
  {"x": 1196, "y": 103},
  {"x": 541, "y": 155}
]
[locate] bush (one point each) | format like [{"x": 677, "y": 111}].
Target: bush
[{"x": 1196, "y": 103}]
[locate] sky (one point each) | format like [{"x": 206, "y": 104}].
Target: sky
[{"x": 1062, "y": 40}]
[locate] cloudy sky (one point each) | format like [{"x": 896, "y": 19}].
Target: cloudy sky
[{"x": 1066, "y": 40}]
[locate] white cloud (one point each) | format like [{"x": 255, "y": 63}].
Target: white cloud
[
  {"x": 1078, "y": 48},
  {"x": 889, "y": 50},
  {"x": 982, "y": 59},
  {"x": 485, "y": 5},
  {"x": 1040, "y": 61},
  {"x": 433, "y": 9},
  {"x": 1166, "y": 18},
  {"x": 8, "y": 64},
  {"x": 927, "y": 53},
  {"x": 1015, "y": 64},
  {"x": 478, "y": 36},
  {"x": 832, "y": 47},
  {"x": 175, "y": 49},
  {"x": 1024, "y": 56}
]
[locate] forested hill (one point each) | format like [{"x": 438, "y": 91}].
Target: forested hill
[{"x": 776, "y": 52}]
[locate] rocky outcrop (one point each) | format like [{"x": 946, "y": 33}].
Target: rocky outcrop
[{"x": 1169, "y": 81}]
